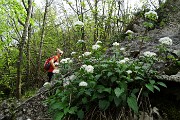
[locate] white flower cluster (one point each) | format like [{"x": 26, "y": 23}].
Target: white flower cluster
[
  {"x": 123, "y": 61},
  {"x": 88, "y": 68},
  {"x": 129, "y": 32},
  {"x": 66, "y": 60},
  {"x": 72, "y": 53},
  {"x": 95, "y": 47},
  {"x": 83, "y": 83},
  {"x": 149, "y": 54},
  {"x": 147, "y": 14},
  {"x": 98, "y": 42},
  {"x": 115, "y": 44},
  {"x": 86, "y": 54},
  {"x": 47, "y": 85},
  {"x": 165, "y": 40},
  {"x": 129, "y": 71},
  {"x": 122, "y": 49},
  {"x": 79, "y": 23},
  {"x": 80, "y": 41}
]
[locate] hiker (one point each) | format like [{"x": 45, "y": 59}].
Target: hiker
[{"x": 53, "y": 64}]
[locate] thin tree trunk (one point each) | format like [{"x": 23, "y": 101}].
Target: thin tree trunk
[
  {"x": 21, "y": 47},
  {"x": 41, "y": 41}
]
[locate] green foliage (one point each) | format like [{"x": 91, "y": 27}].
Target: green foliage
[{"x": 104, "y": 83}]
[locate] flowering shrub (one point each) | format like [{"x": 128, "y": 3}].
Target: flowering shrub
[
  {"x": 165, "y": 41},
  {"x": 105, "y": 84},
  {"x": 152, "y": 15}
]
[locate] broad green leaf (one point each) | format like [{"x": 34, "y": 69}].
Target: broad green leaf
[
  {"x": 57, "y": 105},
  {"x": 132, "y": 103},
  {"x": 58, "y": 116},
  {"x": 118, "y": 91},
  {"x": 107, "y": 90},
  {"x": 162, "y": 84},
  {"x": 109, "y": 74},
  {"x": 72, "y": 110},
  {"x": 117, "y": 101},
  {"x": 103, "y": 104},
  {"x": 113, "y": 79},
  {"x": 152, "y": 81},
  {"x": 80, "y": 114},
  {"x": 150, "y": 87},
  {"x": 98, "y": 76},
  {"x": 156, "y": 87},
  {"x": 84, "y": 100}
]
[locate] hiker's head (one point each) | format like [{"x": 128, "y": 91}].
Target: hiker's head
[{"x": 59, "y": 52}]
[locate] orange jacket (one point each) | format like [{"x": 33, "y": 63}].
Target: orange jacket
[{"x": 56, "y": 57}]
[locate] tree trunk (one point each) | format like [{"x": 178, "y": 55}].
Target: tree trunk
[
  {"x": 21, "y": 46},
  {"x": 41, "y": 42}
]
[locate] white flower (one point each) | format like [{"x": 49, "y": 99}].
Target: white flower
[
  {"x": 79, "y": 56},
  {"x": 28, "y": 119},
  {"x": 87, "y": 54},
  {"x": 149, "y": 54},
  {"x": 63, "y": 61},
  {"x": 98, "y": 42},
  {"x": 55, "y": 71},
  {"x": 72, "y": 53},
  {"x": 79, "y": 23},
  {"x": 126, "y": 59},
  {"x": 121, "y": 61},
  {"x": 115, "y": 44},
  {"x": 83, "y": 66},
  {"x": 122, "y": 49},
  {"x": 89, "y": 68},
  {"x": 47, "y": 85},
  {"x": 95, "y": 47},
  {"x": 165, "y": 40},
  {"x": 129, "y": 72},
  {"x": 129, "y": 32},
  {"x": 83, "y": 83},
  {"x": 80, "y": 41},
  {"x": 66, "y": 60},
  {"x": 151, "y": 13}
]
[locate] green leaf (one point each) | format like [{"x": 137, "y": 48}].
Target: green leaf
[
  {"x": 132, "y": 103},
  {"x": 58, "y": 116},
  {"x": 84, "y": 100},
  {"x": 156, "y": 87},
  {"x": 103, "y": 104},
  {"x": 109, "y": 74},
  {"x": 58, "y": 105},
  {"x": 80, "y": 114},
  {"x": 98, "y": 76},
  {"x": 152, "y": 81},
  {"x": 107, "y": 90},
  {"x": 113, "y": 79},
  {"x": 117, "y": 101},
  {"x": 72, "y": 110},
  {"x": 162, "y": 84},
  {"x": 118, "y": 91},
  {"x": 150, "y": 87}
]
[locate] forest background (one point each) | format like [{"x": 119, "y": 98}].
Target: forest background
[{"x": 31, "y": 32}]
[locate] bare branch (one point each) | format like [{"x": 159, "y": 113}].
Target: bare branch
[{"x": 25, "y": 5}]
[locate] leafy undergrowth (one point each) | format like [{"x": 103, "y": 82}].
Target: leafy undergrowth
[{"x": 105, "y": 87}]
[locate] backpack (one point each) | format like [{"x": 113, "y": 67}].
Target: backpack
[{"x": 47, "y": 64}]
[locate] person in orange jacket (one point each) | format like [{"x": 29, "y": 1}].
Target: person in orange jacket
[{"x": 53, "y": 62}]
